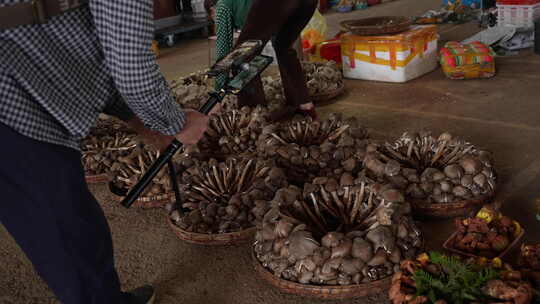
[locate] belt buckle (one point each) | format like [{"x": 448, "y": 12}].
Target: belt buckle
[{"x": 38, "y": 9}]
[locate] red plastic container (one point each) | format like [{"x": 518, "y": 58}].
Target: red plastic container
[
  {"x": 518, "y": 2},
  {"x": 373, "y": 2},
  {"x": 329, "y": 50}
]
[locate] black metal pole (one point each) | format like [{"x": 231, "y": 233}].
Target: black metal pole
[
  {"x": 171, "y": 150},
  {"x": 172, "y": 176}
]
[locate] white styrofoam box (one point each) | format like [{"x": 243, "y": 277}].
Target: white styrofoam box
[
  {"x": 518, "y": 15},
  {"x": 417, "y": 67}
]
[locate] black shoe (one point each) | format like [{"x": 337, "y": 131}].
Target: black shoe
[{"x": 142, "y": 295}]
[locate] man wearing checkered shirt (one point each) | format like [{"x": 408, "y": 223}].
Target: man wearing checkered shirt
[{"x": 62, "y": 62}]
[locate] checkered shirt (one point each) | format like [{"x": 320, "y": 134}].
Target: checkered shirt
[{"x": 56, "y": 78}]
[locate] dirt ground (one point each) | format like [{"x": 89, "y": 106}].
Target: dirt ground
[{"x": 500, "y": 114}]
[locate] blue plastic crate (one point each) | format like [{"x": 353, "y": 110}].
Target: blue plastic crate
[
  {"x": 475, "y": 3},
  {"x": 344, "y": 9}
]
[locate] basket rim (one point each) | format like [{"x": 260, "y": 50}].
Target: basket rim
[
  {"x": 211, "y": 241},
  {"x": 348, "y": 291},
  {"x": 421, "y": 204},
  {"x": 402, "y": 24},
  {"x": 350, "y": 22},
  {"x": 152, "y": 198},
  {"x": 97, "y": 178},
  {"x": 326, "y": 96},
  {"x": 447, "y": 246}
]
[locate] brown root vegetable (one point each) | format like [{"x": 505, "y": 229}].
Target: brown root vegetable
[
  {"x": 530, "y": 257},
  {"x": 483, "y": 238}
]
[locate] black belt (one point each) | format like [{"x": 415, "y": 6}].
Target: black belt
[{"x": 35, "y": 12}]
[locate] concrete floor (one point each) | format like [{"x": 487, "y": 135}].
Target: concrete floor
[{"x": 500, "y": 114}]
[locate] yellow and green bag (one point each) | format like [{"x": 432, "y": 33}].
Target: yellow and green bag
[{"x": 467, "y": 61}]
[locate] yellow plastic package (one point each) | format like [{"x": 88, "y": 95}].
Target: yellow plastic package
[{"x": 314, "y": 32}]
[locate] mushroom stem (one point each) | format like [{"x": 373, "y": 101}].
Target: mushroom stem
[
  {"x": 243, "y": 176},
  {"x": 313, "y": 218},
  {"x": 438, "y": 153},
  {"x": 317, "y": 209},
  {"x": 218, "y": 179},
  {"x": 340, "y": 206},
  {"x": 358, "y": 202},
  {"x": 279, "y": 138},
  {"x": 338, "y": 132}
]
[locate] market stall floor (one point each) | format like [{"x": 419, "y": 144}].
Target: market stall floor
[{"x": 500, "y": 114}]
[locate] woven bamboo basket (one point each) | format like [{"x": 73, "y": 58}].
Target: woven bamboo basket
[
  {"x": 220, "y": 239},
  {"x": 330, "y": 292},
  {"x": 326, "y": 97},
  {"x": 446, "y": 211},
  {"x": 143, "y": 202},
  {"x": 150, "y": 202},
  {"x": 448, "y": 246},
  {"x": 377, "y": 25},
  {"x": 97, "y": 179},
  {"x": 207, "y": 155}
]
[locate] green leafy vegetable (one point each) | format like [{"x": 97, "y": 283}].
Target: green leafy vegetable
[{"x": 456, "y": 283}]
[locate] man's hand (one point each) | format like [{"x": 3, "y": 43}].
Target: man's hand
[
  {"x": 216, "y": 109},
  {"x": 194, "y": 128}
]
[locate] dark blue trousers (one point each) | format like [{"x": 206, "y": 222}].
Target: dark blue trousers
[{"x": 48, "y": 209}]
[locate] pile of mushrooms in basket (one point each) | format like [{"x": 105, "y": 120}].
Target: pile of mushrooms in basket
[
  {"x": 336, "y": 233},
  {"x": 229, "y": 196},
  {"x": 328, "y": 206},
  {"x": 434, "y": 171}
]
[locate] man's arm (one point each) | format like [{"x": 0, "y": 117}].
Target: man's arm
[
  {"x": 125, "y": 30},
  {"x": 118, "y": 108}
]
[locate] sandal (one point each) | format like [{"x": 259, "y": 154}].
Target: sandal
[{"x": 288, "y": 112}]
